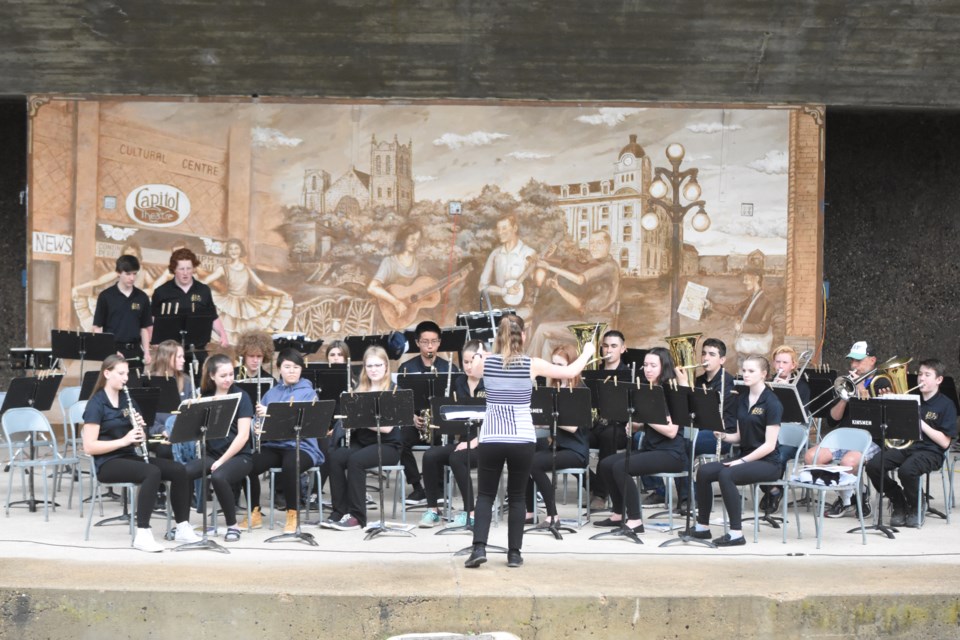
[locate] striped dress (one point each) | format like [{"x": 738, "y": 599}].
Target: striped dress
[{"x": 508, "y": 401}]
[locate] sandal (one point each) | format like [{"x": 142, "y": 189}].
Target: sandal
[{"x": 232, "y": 535}]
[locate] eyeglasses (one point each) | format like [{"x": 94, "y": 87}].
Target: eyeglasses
[
  {"x": 429, "y": 343},
  {"x": 374, "y": 365}
]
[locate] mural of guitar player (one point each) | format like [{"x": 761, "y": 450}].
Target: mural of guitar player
[{"x": 400, "y": 289}]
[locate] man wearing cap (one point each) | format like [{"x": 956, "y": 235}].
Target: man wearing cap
[
  {"x": 863, "y": 360},
  {"x": 754, "y": 329},
  {"x": 427, "y": 361}
]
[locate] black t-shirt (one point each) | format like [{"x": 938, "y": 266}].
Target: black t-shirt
[
  {"x": 197, "y": 300},
  {"x": 653, "y": 440},
  {"x": 216, "y": 448},
  {"x": 462, "y": 388},
  {"x": 364, "y": 437},
  {"x": 123, "y": 316},
  {"x": 415, "y": 365},
  {"x": 940, "y": 413},
  {"x": 114, "y": 424},
  {"x": 729, "y": 396},
  {"x": 754, "y": 420}
]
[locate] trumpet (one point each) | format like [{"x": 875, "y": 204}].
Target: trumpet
[{"x": 134, "y": 417}]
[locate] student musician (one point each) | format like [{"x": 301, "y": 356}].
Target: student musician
[
  {"x": 253, "y": 349},
  {"x": 110, "y": 437},
  {"x": 758, "y": 428},
  {"x": 862, "y": 360},
  {"x": 455, "y": 453},
  {"x": 184, "y": 295},
  {"x": 572, "y": 449},
  {"x": 348, "y": 465},
  {"x": 662, "y": 450},
  {"x": 337, "y": 353},
  {"x": 507, "y": 436},
  {"x": 282, "y": 453},
  {"x": 785, "y": 365},
  {"x": 607, "y": 437},
  {"x": 938, "y": 424},
  {"x": 124, "y": 311},
  {"x": 228, "y": 460},
  {"x": 168, "y": 364},
  {"x": 428, "y": 341}
]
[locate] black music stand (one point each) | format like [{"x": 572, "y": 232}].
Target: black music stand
[
  {"x": 298, "y": 342},
  {"x": 198, "y": 419},
  {"x": 294, "y": 421},
  {"x": 885, "y": 418},
  {"x": 88, "y": 382},
  {"x": 704, "y": 414},
  {"x": 821, "y": 391},
  {"x": 148, "y": 402},
  {"x": 36, "y": 392},
  {"x": 615, "y": 403},
  {"x": 359, "y": 344},
  {"x": 460, "y": 417},
  {"x": 82, "y": 346},
  {"x": 571, "y": 407},
  {"x": 482, "y": 325},
  {"x": 379, "y": 408}
]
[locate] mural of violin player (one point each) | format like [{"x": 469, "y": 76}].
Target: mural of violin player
[
  {"x": 592, "y": 294},
  {"x": 248, "y": 304}
]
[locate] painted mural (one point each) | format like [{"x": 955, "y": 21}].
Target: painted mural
[{"x": 336, "y": 219}]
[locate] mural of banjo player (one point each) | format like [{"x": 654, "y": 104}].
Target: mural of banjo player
[{"x": 508, "y": 266}]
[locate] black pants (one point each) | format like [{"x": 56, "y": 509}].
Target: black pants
[
  {"x": 433, "y": 462},
  {"x": 618, "y": 476},
  {"x": 607, "y": 439},
  {"x": 912, "y": 466},
  {"x": 348, "y": 477},
  {"x": 541, "y": 471},
  {"x": 728, "y": 478},
  {"x": 411, "y": 438},
  {"x": 286, "y": 459},
  {"x": 149, "y": 476},
  {"x": 491, "y": 458},
  {"x": 230, "y": 473}
]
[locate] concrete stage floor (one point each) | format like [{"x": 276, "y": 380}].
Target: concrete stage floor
[{"x": 54, "y": 584}]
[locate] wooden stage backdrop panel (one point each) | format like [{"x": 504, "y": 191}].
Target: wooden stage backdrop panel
[{"x": 336, "y": 218}]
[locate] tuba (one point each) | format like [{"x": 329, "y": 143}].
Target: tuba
[
  {"x": 589, "y": 332},
  {"x": 683, "y": 348},
  {"x": 894, "y": 370}
]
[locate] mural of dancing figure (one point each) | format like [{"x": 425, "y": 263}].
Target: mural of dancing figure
[{"x": 241, "y": 311}]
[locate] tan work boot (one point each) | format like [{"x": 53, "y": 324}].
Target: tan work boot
[
  {"x": 291, "y": 525},
  {"x": 256, "y": 520}
]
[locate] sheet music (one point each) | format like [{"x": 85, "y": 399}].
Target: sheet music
[{"x": 693, "y": 300}]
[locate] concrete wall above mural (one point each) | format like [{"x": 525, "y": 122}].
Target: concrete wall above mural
[{"x": 334, "y": 219}]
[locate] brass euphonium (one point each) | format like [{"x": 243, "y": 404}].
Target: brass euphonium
[
  {"x": 589, "y": 332},
  {"x": 683, "y": 348},
  {"x": 895, "y": 371}
]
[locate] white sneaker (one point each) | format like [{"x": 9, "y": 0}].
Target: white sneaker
[
  {"x": 144, "y": 541},
  {"x": 185, "y": 533}
]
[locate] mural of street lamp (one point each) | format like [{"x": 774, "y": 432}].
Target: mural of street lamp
[{"x": 668, "y": 190}]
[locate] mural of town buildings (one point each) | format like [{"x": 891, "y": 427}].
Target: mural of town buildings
[{"x": 335, "y": 219}]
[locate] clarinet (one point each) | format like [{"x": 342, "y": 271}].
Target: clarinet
[
  {"x": 140, "y": 449},
  {"x": 257, "y": 424}
]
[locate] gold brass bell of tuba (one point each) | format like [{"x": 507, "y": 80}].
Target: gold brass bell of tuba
[
  {"x": 895, "y": 371},
  {"x": 683, "y": 348},
  {"x": 589, "y": 332}
]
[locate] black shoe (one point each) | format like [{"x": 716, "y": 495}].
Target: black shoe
[
  {"x": 865, "y": 500},
  {"x": 838, "y": 509},
  {"x": 607, "y": 522},
  {"x": 478, "y": 556},
  {"x": 693, "y": 533},
  {"x": 417, "y": 498},
  {"x": 513, "y": 559},
  {"x": 726, "y": 541},
  {"x": 638, "y": 528},
  {"x": 684, "y": 507},
  {"x": 912, "y": 520},
  {"x": 898, "y": 516},
  {"x": 653, "y": 499},
  {"x": 763, "y": 503},
  {"x": 773, "y": 502}
]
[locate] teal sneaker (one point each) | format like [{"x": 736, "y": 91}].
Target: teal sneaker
[
  {"x": 461, "y": 520},
  {"x": 429, "y": 520}
]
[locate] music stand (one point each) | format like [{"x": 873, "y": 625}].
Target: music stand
[
  {"x": 821, "y": 384},
  {"x": 82, "y": 346},
  {"x": 379, "y": 408},
  {"x": 704, "y": 414},
  {"x": 294, "y": 421},
  {"x": 37, "y": 392},
  {"x": 87, "y": 384},
  {"x": 199, "y": 419},
  {"x": 571, "y": 407},
  {"x": 359, "y": 344},
  {"x": 615, "y": 403},
  {"x": 885, "y": 418},
  {"x": 148, "y": 402},
  {"x": 460, "y": 417},
  {"x": 298, "y": 342}
]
